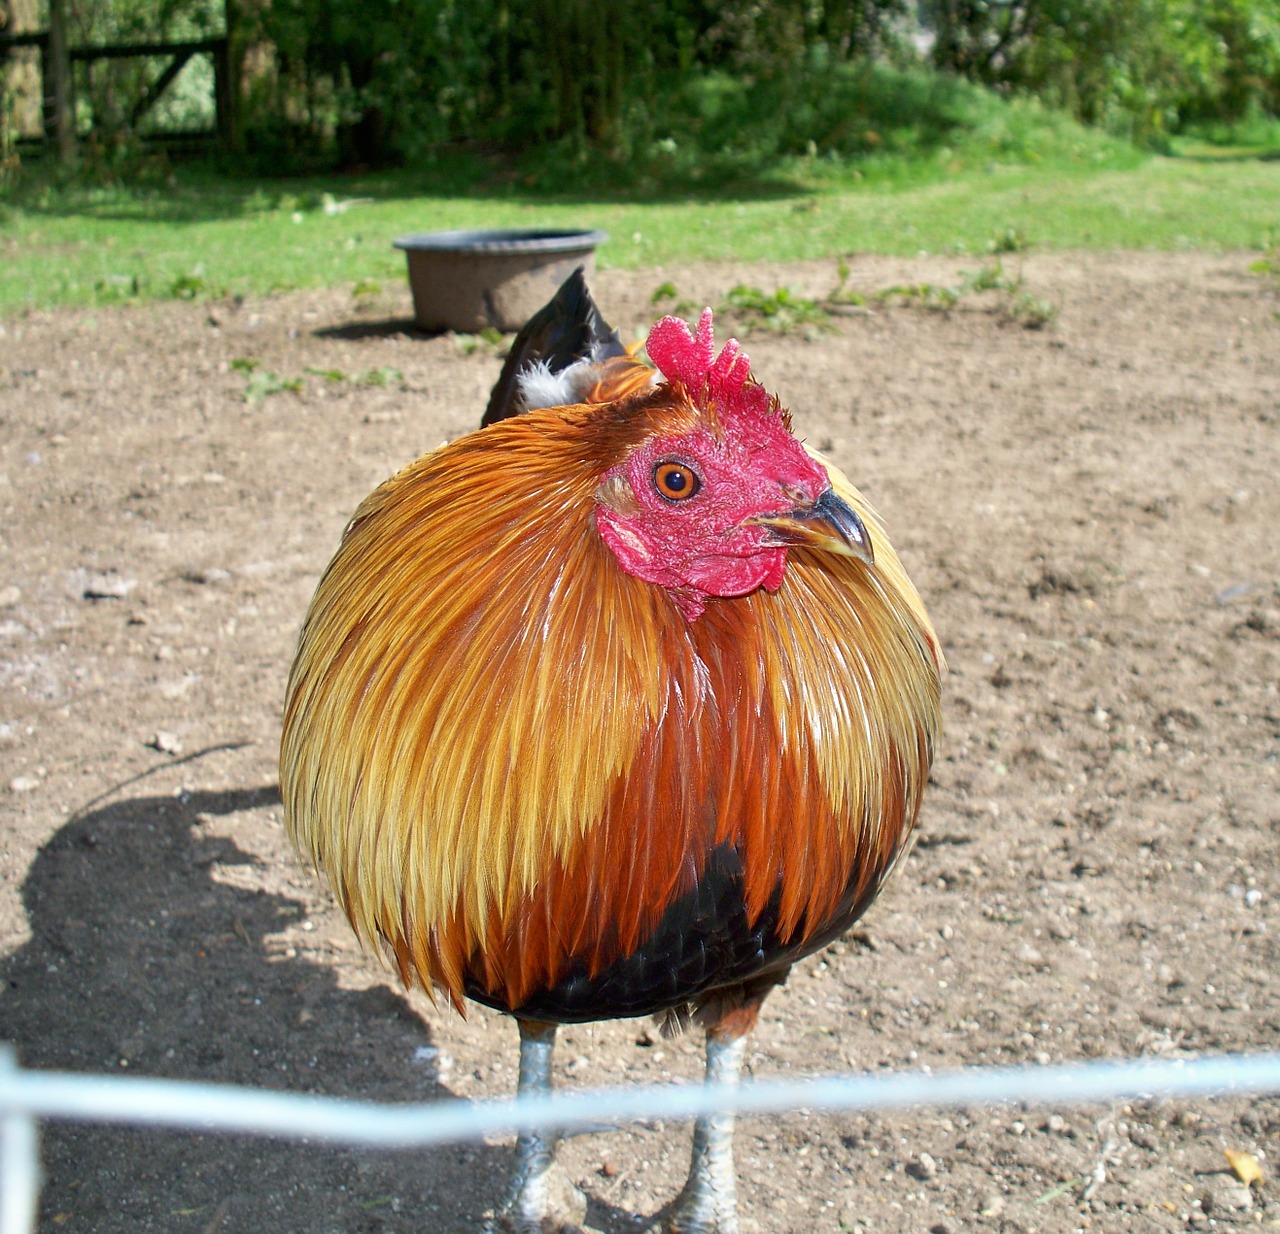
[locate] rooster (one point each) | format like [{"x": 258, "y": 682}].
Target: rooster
[{"x": 618, "y": 706}]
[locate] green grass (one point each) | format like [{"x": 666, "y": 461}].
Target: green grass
[
  {"x": 1253, "y": 136},
  {"x": 927, "y": 165}
]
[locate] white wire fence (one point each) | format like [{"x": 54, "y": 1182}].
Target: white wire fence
[{"x": 28, "y": 1097}]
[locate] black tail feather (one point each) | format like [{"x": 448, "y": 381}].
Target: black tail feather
[{"x": 567, "y": 329}]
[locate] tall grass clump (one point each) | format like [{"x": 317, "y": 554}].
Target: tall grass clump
[{"x": 831, "y": 123}]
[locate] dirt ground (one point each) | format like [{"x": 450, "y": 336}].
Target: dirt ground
[{"x": 1091, "y": 512}]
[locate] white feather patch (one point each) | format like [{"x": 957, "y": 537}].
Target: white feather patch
[{"x": 540, "y": 387}]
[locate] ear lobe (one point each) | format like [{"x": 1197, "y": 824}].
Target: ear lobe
[{"x": 616, "y": 493}]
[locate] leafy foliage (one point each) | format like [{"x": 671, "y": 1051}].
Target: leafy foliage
[
  {"x": 1143, "y": 68},
  {"x": 262, "y": 383},
  {"x": 662, "y": 80},
  {"x": 1268, "y": 265},
  {"x": 779, "y": 312},
  {"x": 673, "y": 93},
  {"x": 1012, "y": 300},
  {"x": 379, "y": 79}
]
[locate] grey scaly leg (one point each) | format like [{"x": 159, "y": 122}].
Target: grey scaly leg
[
  {"x": 709, "y": 1204},
  {"x": 542, "y": 1200}
]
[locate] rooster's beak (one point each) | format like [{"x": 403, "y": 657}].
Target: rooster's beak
[{"x": 829, "y": 524}]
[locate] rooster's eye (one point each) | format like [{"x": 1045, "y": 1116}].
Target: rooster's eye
[{"x": 675, "y": 481}]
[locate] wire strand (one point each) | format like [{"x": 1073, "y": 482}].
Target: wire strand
[{"x": 139, "y": 1101}]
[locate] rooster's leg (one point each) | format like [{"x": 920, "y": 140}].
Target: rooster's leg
[
  {"x": 542, "y": 1199},
  {"x": 708, "y": 1204}
]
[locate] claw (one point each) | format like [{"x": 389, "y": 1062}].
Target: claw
[{"x": 551, "y": 1204}]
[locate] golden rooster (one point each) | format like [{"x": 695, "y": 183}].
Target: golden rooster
[{"x": 615, "y": 708}]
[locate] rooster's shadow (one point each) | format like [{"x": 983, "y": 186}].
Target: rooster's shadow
[{"x": 152, "y": 952}]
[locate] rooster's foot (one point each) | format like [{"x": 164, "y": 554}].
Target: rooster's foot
[
  {"x": 544, "y": 1203},
  {"x": 542, "y": 1200},
  {"x": 697, "y": 1211},
  {"x": 708, "y": 1204}
]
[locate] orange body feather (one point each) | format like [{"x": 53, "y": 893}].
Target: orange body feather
[{"x": 512, "y": 758}]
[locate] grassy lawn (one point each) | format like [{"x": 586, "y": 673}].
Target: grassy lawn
[{"x": 204, "y": 236}]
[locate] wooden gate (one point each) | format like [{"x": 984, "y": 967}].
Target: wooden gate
[{"x": 58, "y": 93}]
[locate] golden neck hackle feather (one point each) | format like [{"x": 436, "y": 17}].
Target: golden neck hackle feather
[{"x": 510, "y": 755}]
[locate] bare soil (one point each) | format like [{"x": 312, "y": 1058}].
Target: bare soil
[{"x": 1091, "y": 511}]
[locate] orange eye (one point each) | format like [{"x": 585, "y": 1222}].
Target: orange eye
[{"x": 675, "y": 481}]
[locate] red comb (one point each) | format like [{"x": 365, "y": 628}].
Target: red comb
[{"x": 690, "y": 359}]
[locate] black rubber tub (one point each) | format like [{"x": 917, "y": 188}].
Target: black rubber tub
[{"x": 467, "y": 280}]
